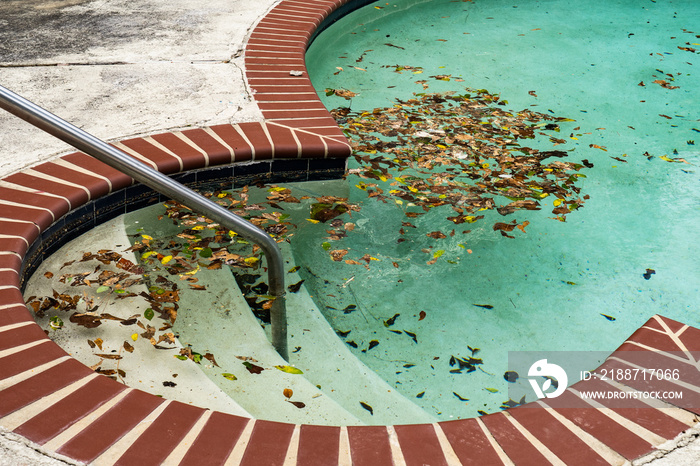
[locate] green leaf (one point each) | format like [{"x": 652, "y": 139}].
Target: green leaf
[
  {"x": 492, "y": 390},
  {"x": 102, "y": 289},
  {"x": 55, "y": 322},
  {"x": 229, "y": 376},
  {"x": 181, "y": 357},
  {"x": 206, "y": 252},
  {"x": 148, "y": 313},
  {"x": 326, "y": 245},
  {"x": 289, "y": 369},
  {"x": 438, "y": 253}
]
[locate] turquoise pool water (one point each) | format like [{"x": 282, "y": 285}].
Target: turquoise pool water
[{"x": 625, "y": 72}]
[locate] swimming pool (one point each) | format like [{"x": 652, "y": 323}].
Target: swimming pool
[
  {"x": 624, "y": 72},
  {"x": 488, "y": 287}
]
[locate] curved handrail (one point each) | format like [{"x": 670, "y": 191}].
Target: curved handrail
[{"x": 95, "y": 147}]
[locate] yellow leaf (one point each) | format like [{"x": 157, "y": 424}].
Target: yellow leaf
[
  {"x": 311, "y": 220},
  {"x": 166, "y": 259},
  {"x": 135, "y": 336},
  {"x": 557, "y": 202},
  {"x": 250, "y": 260},
  {"x": 289, "y": 369},
  {"x": 147, "y": 237},
  {"x": 147, "y": 254},
  {"x": 198, "y": 227}
]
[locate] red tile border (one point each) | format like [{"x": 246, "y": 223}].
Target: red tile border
[{"x": 33, "y": 368}]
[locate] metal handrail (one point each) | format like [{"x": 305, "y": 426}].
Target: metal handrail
[{"x": 85, "y": 142}]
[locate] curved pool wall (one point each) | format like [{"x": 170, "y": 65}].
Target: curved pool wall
[{"x": 69, "y": 411}]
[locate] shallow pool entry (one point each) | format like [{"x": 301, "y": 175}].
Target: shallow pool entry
[{"x": 435, "y": 310}]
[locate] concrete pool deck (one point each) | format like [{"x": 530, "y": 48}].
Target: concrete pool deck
[{"x": 177, "y": 90}]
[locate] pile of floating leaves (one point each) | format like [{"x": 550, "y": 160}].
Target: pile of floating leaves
[{"x": 463, "y": 151}]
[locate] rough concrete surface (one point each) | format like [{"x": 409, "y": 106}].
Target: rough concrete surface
[{"x": 118, "y": 68}]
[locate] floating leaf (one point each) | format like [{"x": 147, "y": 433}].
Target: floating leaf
[
  {"x": 288, "y": 392},
  {"x": 298, "y": 404},
  {"x": 492, "y": 390},
  {"x": 294, "y": 288},
  {"x": 412, "y": 335},
  {"x": 421, "y": 315},
  {"x": 610, "y": 318},
  {"x": 229, "y": 376},
  {"x": 55, "y": 323},
  {"x": 210, "y": 357},
  {"x": 459, "y": 397},
  {"x": 128, "y": 347},
  {"x": 372, "y": 344},
  {"x": 288, "y": 369},
  {"x": 367, "y": 407},
  {"x": 511, "y": 376},
  {"x": 391, "y": 321},
  {"x": 102, "y": 289}
]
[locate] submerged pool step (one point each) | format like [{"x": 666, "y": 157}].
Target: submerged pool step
[
  {"x": 240, "y": 376},
  {"x": 327, "y": 362}
]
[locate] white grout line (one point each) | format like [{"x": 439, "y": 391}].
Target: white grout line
[
  {"x": 14, "y": 326},
  {"x": 633, "y": 427},
  {"x": 396, "y": 453},
  {"x": 134, "y": 153},
  {"x": 185, "y": 444},
  {"x": 27, "y": 206},
  {"x": 245, "y": 138},
  {"x": 680, "y": 383},
  {"x": 238, "y": 451},
  {"x": 218, "y": 138},
  {"x": 293, "y": 449},
  {"x": 445, "y": 445},
  {"x": 19, "y": 187},
  {"x": 344, "y": 452},
  {"x": 193, "y": 145},
  {"x": 15, "y": 236},
  {"x": 19, "y": 349},
  {"x": 269, "y": 138},
  {"x": 20, "y": 221},
  {"x": 608, "y": 454},
  {"x": 160, "y": 146},
  {"x": 118, "y": 448},
  {"x": 44, "y": 176},
  {"x": 19, "y": 417},
  {"x": 75, "y": 429},
  {"x": 546, "y": 452},
  {"x": 494, "y": 444},
  {"x": 78, "y": 168},
  {"x": 28, "y": 374},
  {"x": 663, "y": 353}
]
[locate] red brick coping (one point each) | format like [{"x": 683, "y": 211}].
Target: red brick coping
[{"x": 51, "y": 399}]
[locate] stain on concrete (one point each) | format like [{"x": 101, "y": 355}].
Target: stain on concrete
[{"x": 36, "y": 30}]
